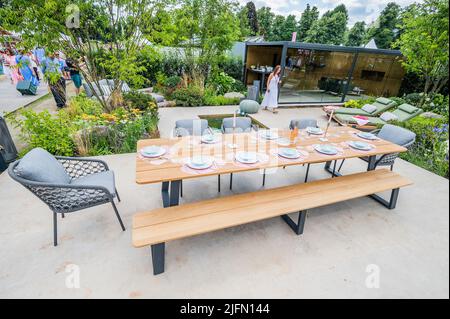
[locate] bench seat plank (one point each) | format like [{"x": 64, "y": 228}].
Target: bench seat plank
[{"x": 192, "y": 219}]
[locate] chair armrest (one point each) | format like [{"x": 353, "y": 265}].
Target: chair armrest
[{"x": 79, "y": 167}]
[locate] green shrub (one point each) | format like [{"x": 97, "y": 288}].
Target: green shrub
[
  {"x": 52, "y": 133},
  {"x": 189, "y": 96},
  {"x": 232, "y": 66},
  {"x": 81, "y": 104},
  {"x": 431, "y": 148},
  {"x": 173, "y": 82},
  {"x": 357, "y": 104},
  {"x": 218, "y": 100},
  {"x": 221, "y": 82},
  {"x": 140, "y": 101}
]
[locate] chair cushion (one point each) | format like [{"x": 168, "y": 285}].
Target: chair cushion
[
  {"x": 158, "y": 98},
  {"x": 388, "y": 116},
  {"x": 369, "y": 108},
  {"x": 38, "y": 165},
  {"x": 303, "y": 123},
  {"x": 187, "y": 127},
  {"x": 244, "y": 124},
  {"x": 106, "y": 89},
  {"x": 408, "y": 108},
  {"x": 384, "y": 100},
  {"x": 396, "y": 134},
  {"x": 104, "y": 179}
]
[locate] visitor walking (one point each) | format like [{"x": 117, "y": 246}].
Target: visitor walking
[
  {"x": 24, "y": 65},
  {"x": 34, "y": 64},
  {"x": 74, "y": 74},
  {"x": 11, "y": 66},
  {"x": 270, "y": 101},
  {"x": 51, "y": 69}
]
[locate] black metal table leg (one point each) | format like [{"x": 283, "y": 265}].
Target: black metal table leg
[
  {"x": 372, "y": 163},
  {"x": 300, "y": 225},
  {"x": 307, "y": 172},
  {"x": 165, "y": 194}
]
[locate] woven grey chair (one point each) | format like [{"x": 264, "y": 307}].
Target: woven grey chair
[
  {"x": 243, "y": 125},
  {"x": 303, "y": 123},
  {"x": 66, "y": 184},
  {"x": 187, "y": 128},
  {"x": 190, "y": 127},
  {"x": 394, "y": 134}
]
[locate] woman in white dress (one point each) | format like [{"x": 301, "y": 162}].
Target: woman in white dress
[{"x": 270, "y": 101}]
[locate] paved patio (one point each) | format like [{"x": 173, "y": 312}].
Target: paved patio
[{"x": 262, "y": 260}]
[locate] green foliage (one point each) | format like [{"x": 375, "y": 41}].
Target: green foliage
[
  {"x": 218, "y": 100},
  {"x": 384, "y": 31},
  {"x": 141, "y": 101},
  {"x": 330, "y": 28},
  {"x": 52, "y": 133},
  {"x": 357, "y": 104},
  {"x": 309, "y": 16},
  {"x": 232, "y": 66},
  {"x": 79, "y": 105},
  {"x": 191, "y": 95},
  {"x": 221, "y": 83},
  {"x": 424, "y": 43},
  {"x": 437, "y": 103},
  {"x": 431, "y": 148},
  {"x": 356, "y": 35},
  {"x": 252, "y": 18},
  {"x": 265, "y": 19}
]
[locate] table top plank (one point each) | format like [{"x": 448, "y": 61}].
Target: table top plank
[{"x": 170, "y": 166}]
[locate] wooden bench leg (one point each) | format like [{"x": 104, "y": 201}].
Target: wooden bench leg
[
  {"x": 158, "y": 252},
  {"x": 392, "y": 203},
  {"x": 300, "y": 225}
]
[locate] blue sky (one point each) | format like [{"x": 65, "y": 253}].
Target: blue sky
[{"x": 360, "y": 10}]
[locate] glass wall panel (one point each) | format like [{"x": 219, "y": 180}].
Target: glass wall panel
[
  {"x": 260, "y": 62},
  {"x": 376, "y": 75},
  {"x": 314, "y": 76}
]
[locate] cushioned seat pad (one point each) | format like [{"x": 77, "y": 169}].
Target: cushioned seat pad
[{"x": 104, "y": 179}]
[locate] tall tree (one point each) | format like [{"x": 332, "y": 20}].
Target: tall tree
[
  {"x": 277, "y": 29},
  {"x": 424, "y": 43},
  {"x": 385, "y": 30},
  {"x": 330, "y": 28},
  {"x": 266, "y": 19},
  {"x": 244, "y": 25},
  {"x": 309, "y": 16},
  {"x": 206, "y": 29},
  {"x": 252, "y": 17},
  {"x": 356, "y": 35}
]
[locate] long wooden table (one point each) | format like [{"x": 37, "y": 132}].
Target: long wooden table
[{"x": 170, "y": 169}]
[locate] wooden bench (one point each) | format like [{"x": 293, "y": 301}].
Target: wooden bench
[{"x": 162, "y": 225}]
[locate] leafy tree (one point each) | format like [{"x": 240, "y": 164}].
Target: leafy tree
[
  {"x": 106, "y": 34},
  {"x": 309, "y": 16},
  {"x": 385, "y": 30},
  {"x": 252, "y": 17},
  {"x": 356, "y": 35},
  {"x": 424, "y": 43},
  {"x": 206, "y": 29},
  {"x": 276, "y": 33},
  {"x": 330, "y": 28},
  {"x": 244, "y": 26},
  {"x": 266, "y": 19}
]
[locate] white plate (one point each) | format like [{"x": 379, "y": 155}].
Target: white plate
[
  {"x": 331, "y": 150},
  {"x": 268, "y": 135},
  {"x": 367, "y": 136},
  {"x": 247, "y": 157},
  {"x": 210, "y": 139},
  {"x": 153, "y": 151},
  {"x": 200, "y": 162},
  {"x": 314, "y": 131},
  {"x": 290, "y": 153},
  {"x": 362, "y": 146},
  {"x": 284, "y": 142}
]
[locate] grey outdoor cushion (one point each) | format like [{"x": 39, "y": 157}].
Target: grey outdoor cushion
[
  {"x": 38, "y": 165},
  {"x": 408, "y": 108},
  {"x": 158, "y": 98},
  {"x": 87, "y": 90},
  {"x": 384, "y": 100},
  {"x": 243, "y": 124},
  {"x": 369, "y": 108},
  {"x": 104, "y": 179},
  {"x": 388, "y": 116},
  {"x": 396, "y": 134},
  {"x": 303, "y": 123},
  {"x": 190, "y": 127}
]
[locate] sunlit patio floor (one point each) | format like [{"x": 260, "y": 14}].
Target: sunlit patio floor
[{"x": 409, "y": 246}]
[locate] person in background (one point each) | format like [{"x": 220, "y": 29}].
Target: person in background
[
  {"x": 63, "y": 66},
  {"x": 39, "y": 53},
  {"x": 33, "y": 64},
  {"x": 10, "y": 62},
  {"x": 74, "y": 74},
  {"x": 271, "y": 98},
  {"x": 51, "y": 68},
  {"x": 25, "y": 68}
]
